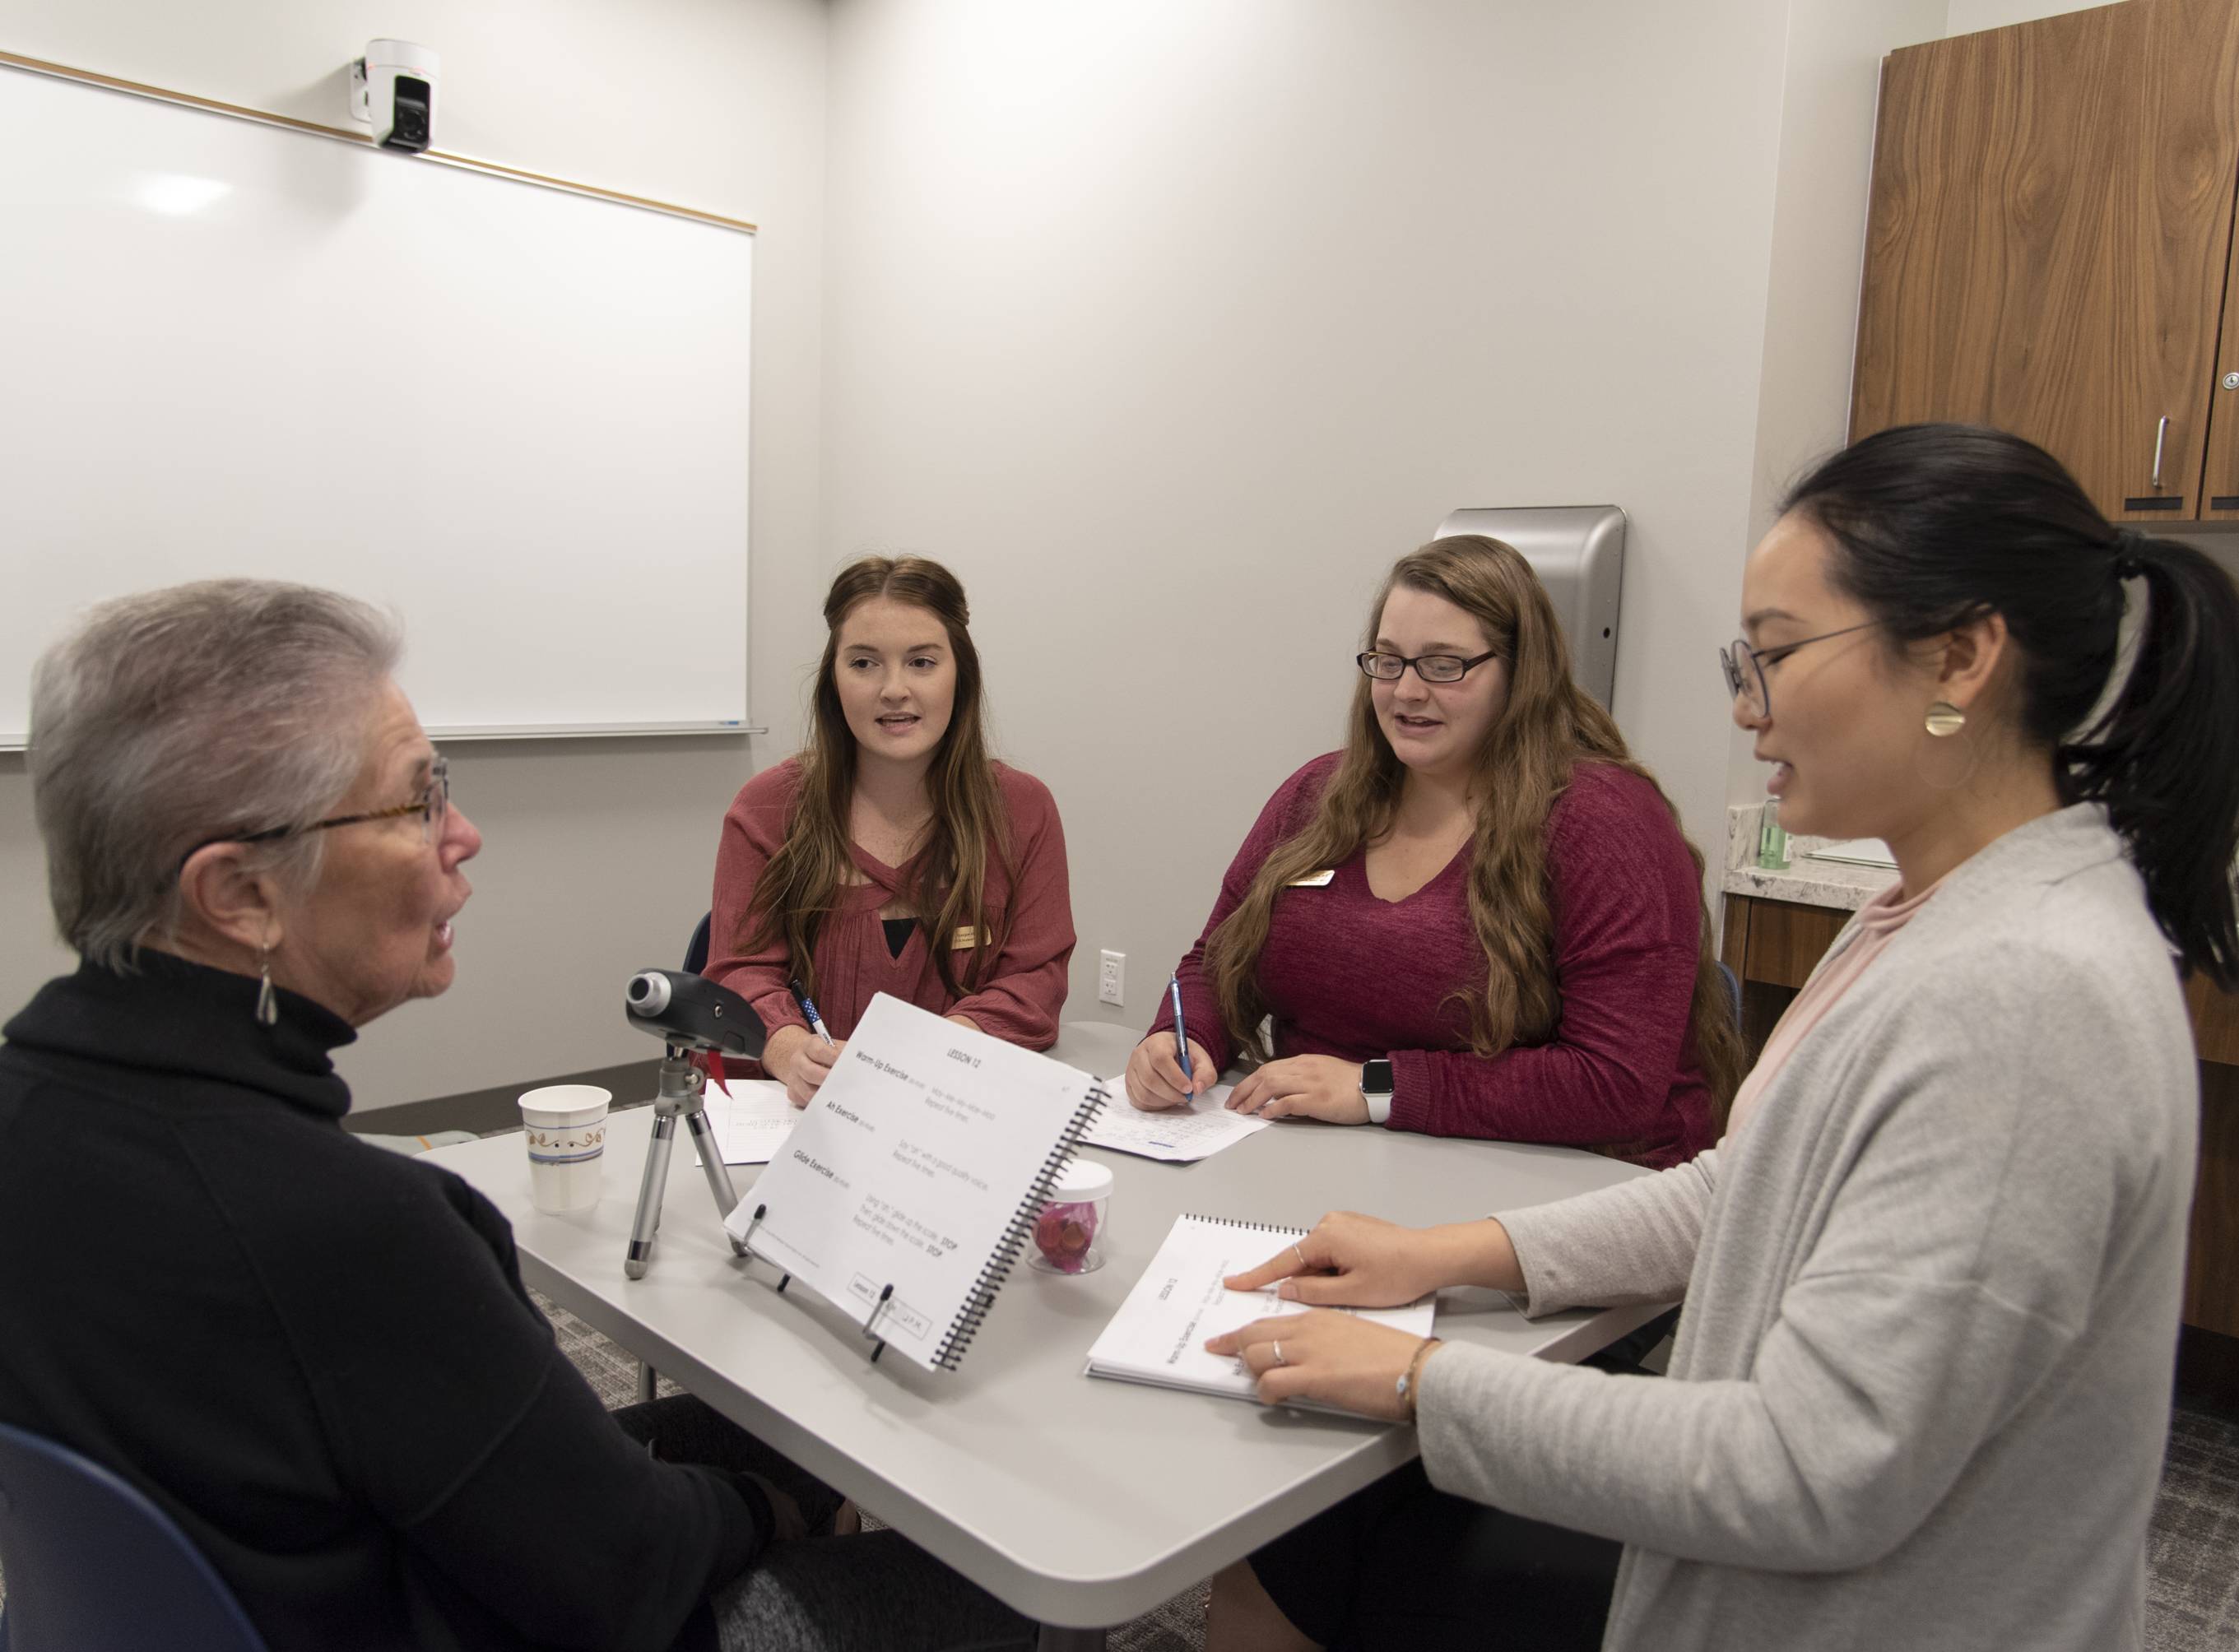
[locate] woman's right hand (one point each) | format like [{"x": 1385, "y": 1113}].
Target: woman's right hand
[
  {"x": 1365, "y": 1262},
  {"x": 1154, "y": 1076},
  {"x": 801, "y": 1060}
]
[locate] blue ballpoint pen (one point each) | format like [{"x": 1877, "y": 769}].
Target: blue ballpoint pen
[
  {"x": 808, "y": 1008},
  {"x": 1182, "y": 1036}
]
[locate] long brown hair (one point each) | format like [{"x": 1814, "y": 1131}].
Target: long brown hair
[
  {"x": 800, "y": 885},
  {"x": 1548, "y": 725}
]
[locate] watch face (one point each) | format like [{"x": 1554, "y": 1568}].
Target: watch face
[{"x": 1376, "y": 1077}]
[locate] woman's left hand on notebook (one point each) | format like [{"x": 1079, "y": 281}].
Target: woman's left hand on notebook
[
  {"x": 1353, "y": 1261},
  {"x": 1303, "y": 1087},
  {"x": 1331, "y": 1358}
]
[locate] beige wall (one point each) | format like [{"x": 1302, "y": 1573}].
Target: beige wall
[
  {"x": 1968, "y": 16},
  {"x": 1830, "y": 88},
  {"x": 1168, "y": 324},
  {"x": 598, "y": 851}
]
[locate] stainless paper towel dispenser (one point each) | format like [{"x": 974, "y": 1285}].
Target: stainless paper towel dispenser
[{"x": 1578, "y": 552}]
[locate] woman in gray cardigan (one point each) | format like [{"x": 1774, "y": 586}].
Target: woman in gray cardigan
[{"x": 1932, "y": 1270}]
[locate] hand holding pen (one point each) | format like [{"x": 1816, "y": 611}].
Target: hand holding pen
[
  {"x": 808, "y": 1061},
  {"x": 1169, "y": 1069}
]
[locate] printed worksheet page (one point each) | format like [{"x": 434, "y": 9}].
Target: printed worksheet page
[
  {"x": 1179, "y": 1135},
  {"x": 752, "y": 1121}
]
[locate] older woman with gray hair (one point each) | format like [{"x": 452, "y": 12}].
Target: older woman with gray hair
[{"x": 319, "y": 1358}]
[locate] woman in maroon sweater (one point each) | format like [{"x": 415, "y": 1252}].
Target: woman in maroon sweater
[
  {"x": 893, "y": 855},
  {"x": 1482, "y": 890}
]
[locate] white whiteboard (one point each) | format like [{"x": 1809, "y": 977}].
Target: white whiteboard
[{"x": 514, "y": 414}]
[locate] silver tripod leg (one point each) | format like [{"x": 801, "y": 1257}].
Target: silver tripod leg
[
  {"x": 682, "y": 1088},
  {"x": 719, "y": 1174}
]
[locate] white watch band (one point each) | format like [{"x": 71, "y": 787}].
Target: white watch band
[{"x": 1379, "y": 1106}]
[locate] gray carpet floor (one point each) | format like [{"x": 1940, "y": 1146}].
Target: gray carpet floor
[
  {"x": 2192, "y": 1552},
  {"x": 2192, "y": 1596}
]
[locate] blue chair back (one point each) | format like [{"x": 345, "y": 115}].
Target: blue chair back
[
  {"x": 696, "y": 952},
  {"x": 1733, "y": 990},
  {"x": 93, "y": 1566}
]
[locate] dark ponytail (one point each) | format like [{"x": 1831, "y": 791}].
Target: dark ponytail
[{"x": 1937, "y": 524}]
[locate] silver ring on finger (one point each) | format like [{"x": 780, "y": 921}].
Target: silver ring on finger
[
  {"x": 1279, "y": 1360},
  {"x": 1300, "y": 1254}
]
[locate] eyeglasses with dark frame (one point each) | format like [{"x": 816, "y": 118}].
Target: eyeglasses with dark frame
[
  {"x": 1744, "y": 666},
  {"x": 433, "y": 805},
  {"x": 1430, "y": 667}
]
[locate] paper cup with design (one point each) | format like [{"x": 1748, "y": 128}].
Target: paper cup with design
[{"x": 566, "y": 1126}]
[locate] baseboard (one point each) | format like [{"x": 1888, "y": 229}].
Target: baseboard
[
  {"x": 486, "y": 1111},
  {"x": 2208, "y": 1372}
]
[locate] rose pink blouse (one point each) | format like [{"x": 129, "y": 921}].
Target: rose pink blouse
[{"x": 1879, "y": 919}]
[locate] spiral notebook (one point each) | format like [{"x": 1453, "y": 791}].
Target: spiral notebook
[
  {"x": 1159, "y": 1334},
  {"x": 910, "y": 1185}
]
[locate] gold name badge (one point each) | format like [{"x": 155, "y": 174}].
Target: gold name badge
[
  {"x": 964, "y": 940},
  {"x": 1314, "y": 879}
]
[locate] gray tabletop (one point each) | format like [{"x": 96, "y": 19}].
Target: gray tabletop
[{"x": 1078, "y": 1502}]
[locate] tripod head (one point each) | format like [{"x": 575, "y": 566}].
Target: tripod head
[{"x": 691, "y": 1012}]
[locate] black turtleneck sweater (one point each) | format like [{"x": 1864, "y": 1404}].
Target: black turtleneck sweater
[{"x": 315, "y": 1355}]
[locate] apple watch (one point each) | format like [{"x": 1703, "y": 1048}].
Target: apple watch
[{"x": 1376, "y": 1090}]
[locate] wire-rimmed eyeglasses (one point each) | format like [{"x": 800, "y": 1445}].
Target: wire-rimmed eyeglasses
[
  {"x": 433, "y": 805},
  {"x": 1430, "y": 667},
  {"x": 1744, "y": 666}
]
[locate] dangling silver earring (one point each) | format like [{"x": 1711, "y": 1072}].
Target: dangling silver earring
[
  {"x": 1946, "y": 719},
  {"x": 268, "y": 1001}
]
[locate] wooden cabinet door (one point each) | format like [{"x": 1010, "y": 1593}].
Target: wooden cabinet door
[
  {"x": 2046, "y": 249},
  {"x": 2219, "y": 483}
]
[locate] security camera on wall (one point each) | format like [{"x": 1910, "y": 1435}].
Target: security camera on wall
[{"x": 393, "y": 92}]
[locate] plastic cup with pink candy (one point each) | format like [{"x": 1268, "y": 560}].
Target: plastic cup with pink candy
[{"x": 1069, "y": 1227}]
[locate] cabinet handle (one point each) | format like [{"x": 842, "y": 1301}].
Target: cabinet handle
[{"x": 2160, "y": 435}]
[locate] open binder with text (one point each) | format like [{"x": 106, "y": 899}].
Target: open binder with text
[
  {"x": 910, "y": 1186},
  {"x": 1158, "y": 1334}
]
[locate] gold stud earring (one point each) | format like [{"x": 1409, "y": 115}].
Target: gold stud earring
[{"x": 1946, "y": 719}]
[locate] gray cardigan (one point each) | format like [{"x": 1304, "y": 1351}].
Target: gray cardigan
[{"x": 1922, "y": 1385}]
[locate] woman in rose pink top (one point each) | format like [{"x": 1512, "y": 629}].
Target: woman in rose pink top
[
  {"x": 893, "y": 855},
  {"x": 1480, "y": 919}
]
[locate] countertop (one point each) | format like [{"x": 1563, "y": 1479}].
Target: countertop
[{"x": 1811, "y": 883}]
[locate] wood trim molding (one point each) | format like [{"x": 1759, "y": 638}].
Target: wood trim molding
[{"x": 441, "y": 157}]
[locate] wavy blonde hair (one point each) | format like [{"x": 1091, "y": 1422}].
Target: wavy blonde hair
[
  {"x": 800, "y": 886},
  {"x": 1548, "y": 725}
]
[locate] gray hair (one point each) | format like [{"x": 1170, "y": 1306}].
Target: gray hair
[{"x": 186, "y": 716}]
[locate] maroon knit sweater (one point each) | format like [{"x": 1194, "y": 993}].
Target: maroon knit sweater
[
  {"x": 1351, "y": 976},
  {"x": 1024, "y": 988}
]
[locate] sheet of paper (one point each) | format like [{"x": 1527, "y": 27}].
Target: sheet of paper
[
  {"x": 1180, "y": 1135},
  {"x": 750, "y": 1122},
  {"x": 1159, "y": 1333},
  {"x": 895, "y": 1194}
]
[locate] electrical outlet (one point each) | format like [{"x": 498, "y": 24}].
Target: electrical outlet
[{"x": 1112, "y": 978}]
